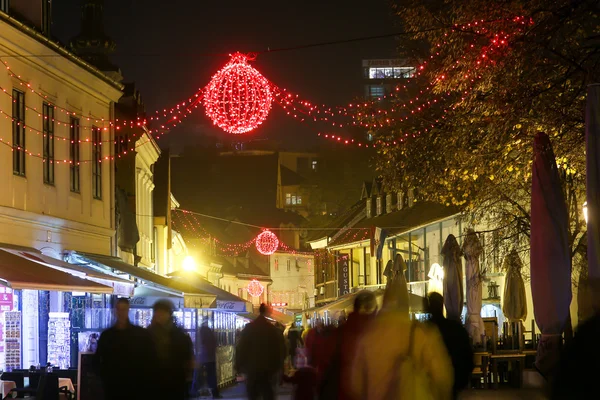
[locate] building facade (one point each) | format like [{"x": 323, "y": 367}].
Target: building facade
[
  {"x": 293, "y": 276},
  {"x": 57, "y": 176},
  {"x": 380, "y": 76}
]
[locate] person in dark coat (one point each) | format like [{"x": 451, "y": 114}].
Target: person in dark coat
[
  {"x": 577, "y": 372},
  {"x": 457, "y": 342},
  {"x": 294, "y": 341},
  {"x": 124, "y": 358},
  {"x": 175, "y": 354},
  {"x": 260, "y": 355},
  {"x": 365, "y": 306},
  {"x": 207, "y": 358}
]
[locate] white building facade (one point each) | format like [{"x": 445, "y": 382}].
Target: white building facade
[
  {"x": 56, "y": 172},
  {"x": 293, "y": 276}
]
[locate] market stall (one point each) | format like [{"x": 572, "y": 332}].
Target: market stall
[{"x": 36, "y": 311}]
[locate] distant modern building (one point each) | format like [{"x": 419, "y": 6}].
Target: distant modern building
[{"x": 380, "y": 76}]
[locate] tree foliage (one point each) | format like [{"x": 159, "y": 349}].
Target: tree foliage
[{"x": 491, "y": 75}]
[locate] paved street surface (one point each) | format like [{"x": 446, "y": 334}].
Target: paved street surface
[{"x": 238, "y": 392}]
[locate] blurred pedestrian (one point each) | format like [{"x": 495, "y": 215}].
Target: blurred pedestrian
[
  {"x": 260, "y": 356},
  {"x": 365, "y": 306},
  {"x": 124, "y": 358},
  {"x": 399, "y": 358},
  {"x": 305, "y": 381},
  {"x": 577, "y": 373},
  {"x": 175, "y": 353},
  {"x": 207, "y": 359},
  {"x": 294, "y": 342},
  {"x": 456, "y": 339}
]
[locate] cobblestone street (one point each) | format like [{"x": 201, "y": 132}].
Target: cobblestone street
[{"x": 285, "y": 393}]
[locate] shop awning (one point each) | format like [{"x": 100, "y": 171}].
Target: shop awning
[
  {"x": 22, "y": 273},
  {"x": 225, "y": 300},
  {"x": 282, "y": 318},
  {"x": 192, "y": 296},
  {"x": 121, "y": 287}
]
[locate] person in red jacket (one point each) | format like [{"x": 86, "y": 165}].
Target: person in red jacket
[{"x": 365, "y": 306}]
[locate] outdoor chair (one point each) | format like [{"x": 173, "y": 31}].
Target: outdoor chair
[
  {"x": 47, "y": 390},
  {"x": 17, "y": 377},
  {"x": 480, "y": 373}
]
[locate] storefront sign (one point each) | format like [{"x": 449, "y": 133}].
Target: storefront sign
[
  {"x": 148, "y": 301},
  {"x": 196, "y": 301},
  {"x": 383, "y": 63},
  {"x": 6, "y": 304},
  {"x": 119, "y": 288},
  {"x": 236, "y": 306},
  {"x": 343, "y": 274}
]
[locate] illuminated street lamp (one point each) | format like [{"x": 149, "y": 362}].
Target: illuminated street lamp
[
  {"x": 189, "y": 264},
  {"x": 585, "y": 212}
]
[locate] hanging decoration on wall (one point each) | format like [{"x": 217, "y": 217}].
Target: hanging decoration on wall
[
  {"x": 255, "y": 288},
  {"x": 267, "y": 243},
  {"x": 238, "y": 98}
]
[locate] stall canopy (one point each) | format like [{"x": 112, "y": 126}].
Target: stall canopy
[
  {"x": 192, "y": 296},
  {"x": 121, "y": 287},
  {"x": 225, "y": 300},
  {"x": 22, "y": 273}
]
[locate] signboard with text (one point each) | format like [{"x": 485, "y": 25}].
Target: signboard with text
[
  {"x": 383, "y": 63},
  {"x": 235, "y": 306},
  {"x": 343, "y": 267},
  {"x": 6, "y": 304}
]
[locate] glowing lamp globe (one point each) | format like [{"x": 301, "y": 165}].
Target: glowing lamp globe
[
  {"x": 238, "y": 98},
  {"x": 267, "y": 243}
]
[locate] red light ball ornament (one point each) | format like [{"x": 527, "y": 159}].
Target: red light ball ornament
[
  {"x": 267, "y": 243},
  {"x": 238, "y": 98},
  {"x": 255, "y": 289}
]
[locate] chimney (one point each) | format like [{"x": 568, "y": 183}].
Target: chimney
[{"x": 36, "y": 12}]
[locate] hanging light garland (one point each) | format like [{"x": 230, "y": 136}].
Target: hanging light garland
[{"x": 238, "y": 98}]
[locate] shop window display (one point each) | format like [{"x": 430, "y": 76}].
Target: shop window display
[{"x": 59, "y": 340}]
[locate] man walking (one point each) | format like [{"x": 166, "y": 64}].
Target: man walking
[
  {"x": 175, "y": 354},
  {"x": 260, "y": 355},
  {"x": 207, "y": 358},
  {"x": 124, "y": 358},
  {"x": 457, "y": 342}
]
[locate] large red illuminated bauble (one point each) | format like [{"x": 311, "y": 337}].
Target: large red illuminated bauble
[
  {"x": 238, "y": 98},
  {"x": 254, "y": 288},
  {"x": 267, "y": 243}
]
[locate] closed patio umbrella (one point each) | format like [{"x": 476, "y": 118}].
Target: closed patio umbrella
[
  {"x": 472, "y": 250},
  {"x": 592, "y": 137},
  {"x": 550, "y": 255},
  {"x": 396, "y": 283},
  {"x": 453, "y": 285},
  {"x": 514, "y": 302}
]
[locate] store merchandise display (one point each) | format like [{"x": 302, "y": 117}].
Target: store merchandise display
[{"x": 59, "y": 340}]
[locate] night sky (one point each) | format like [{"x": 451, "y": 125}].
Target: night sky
[{"x": 165, "y": 46}]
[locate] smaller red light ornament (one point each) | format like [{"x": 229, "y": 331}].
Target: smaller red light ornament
[
  {"x": 255, "y": 289},
  {"x": 238, "y": 98},
  {"x": 267, "y": 243}
]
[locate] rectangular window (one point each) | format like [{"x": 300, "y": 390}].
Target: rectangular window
[
  {"x": 299, "y": 200},
  {"x": 4, "y": 4},
  {"x": 74, "y": 154},
  {"x": 18, "y": 114},
  {"x": 376, "y": 91},
  {"x": 276, "y": 264},
  {"x": 46, "y": 17},
  {"x": 48, "y": 140},
  {"x": 289, "y": 265},
  {"x": 288, "y": 199},
  {"x": 97, "y": 163},
  {"x": 314, "y": 165}
]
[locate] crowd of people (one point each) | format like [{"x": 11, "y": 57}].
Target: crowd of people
[
  {"x": 134, "y": 363},
  {"x": 373, "y": 354}
]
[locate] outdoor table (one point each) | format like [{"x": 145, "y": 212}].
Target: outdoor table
[
  {"x": 6, "y": 387},
  {"x": 66, "y": 382},
  {"x": 508, "y": 358}
]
